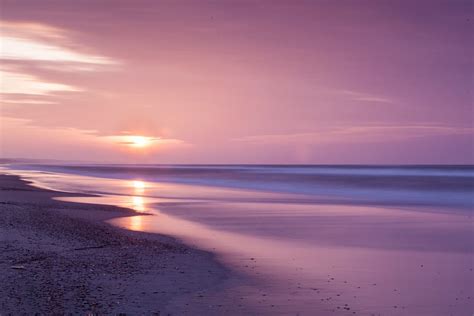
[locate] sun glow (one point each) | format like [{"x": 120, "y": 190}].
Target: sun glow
[{"x": 140, "y": 141}]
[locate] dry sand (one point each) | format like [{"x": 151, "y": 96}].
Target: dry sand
[{"x": 60, "y": 257}]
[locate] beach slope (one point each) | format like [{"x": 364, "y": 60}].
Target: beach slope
[{"x": 60, "y": 258}]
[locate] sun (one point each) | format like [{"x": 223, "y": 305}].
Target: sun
[{"x": 140, "y": 141}]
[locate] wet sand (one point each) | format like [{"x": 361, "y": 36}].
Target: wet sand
[
  {"x": 333, "y": 259},
  {"x": 60, "y": 258}
]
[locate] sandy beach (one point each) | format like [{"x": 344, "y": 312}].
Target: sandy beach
[
  {"x": 131, "y": 246},
  {"x": 236, "y": 158},
  {"x": 60, "y": 258}
]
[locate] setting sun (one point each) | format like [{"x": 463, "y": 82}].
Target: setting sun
[
  {"x": 140, "y": 141},
  {"x": 135, "y": 141}
]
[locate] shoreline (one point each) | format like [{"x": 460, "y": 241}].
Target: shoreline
[
  {"x": 325, "y": 258},
  {"x": 61, "y": 257}
]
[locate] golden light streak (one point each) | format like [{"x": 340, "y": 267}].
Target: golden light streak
[
  {"x": 138, "y": 186},
  {"x": 138, "y": 203},
  {"x": 135, "y": 223}
]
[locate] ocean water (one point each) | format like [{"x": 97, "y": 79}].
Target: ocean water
[
  {"x": 438, "y": 186},
  {"x": 388, "y": 240}
]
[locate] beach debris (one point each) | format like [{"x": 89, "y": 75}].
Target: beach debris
[
  {"x": 92, "y": 247},
  {"x": 18, "y": 267}
]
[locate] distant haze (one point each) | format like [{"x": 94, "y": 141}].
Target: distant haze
[{"x": 372, "y": 82}]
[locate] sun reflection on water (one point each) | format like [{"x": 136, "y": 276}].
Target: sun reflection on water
[
  {"x": 138, "y": 186},
  {"x": 135, "y": 223},
  {"x": 138, "y": 203}
]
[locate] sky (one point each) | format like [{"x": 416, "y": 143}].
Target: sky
[{"x": 237, "y": 81}]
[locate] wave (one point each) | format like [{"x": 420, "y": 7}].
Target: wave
[{"x": 415, "y": 185}]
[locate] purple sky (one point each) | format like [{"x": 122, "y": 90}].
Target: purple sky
[{"x": 238, "y": 81}]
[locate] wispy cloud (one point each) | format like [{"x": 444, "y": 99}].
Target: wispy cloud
[
  {"x": 118, "y": 142},
  {"x": 17, "y": 83},
  {"x": 13, "y": 100},
  {"x": 355, "y": 134},
  {"x": 367, "y": 97},
  {"x": 43, "y": 43},
  {"x": 14, "y": 48},
  {"x": 24, "y": 45}
]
